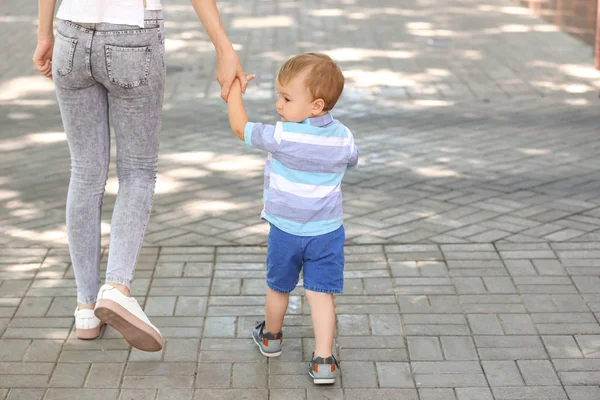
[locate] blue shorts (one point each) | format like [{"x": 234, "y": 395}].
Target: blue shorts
[{"x": 322, "y": 258}]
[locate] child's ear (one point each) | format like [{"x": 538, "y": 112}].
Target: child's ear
[{"x": 318, "y": 106}]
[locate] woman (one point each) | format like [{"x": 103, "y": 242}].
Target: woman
[{"x": 107, "y": 63}]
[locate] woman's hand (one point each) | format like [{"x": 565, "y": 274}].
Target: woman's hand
[
  {"x": 42, "y": 58},
  {"x": 228, "y": 69}
]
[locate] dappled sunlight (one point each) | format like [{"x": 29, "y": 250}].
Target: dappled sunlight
[
  {"x": 267, "y": 21},
  {"x": 515, "y": 28},
  {"x": 191, "y": 157},
  {"x": 331, "y": 12},
  {"x": 186, "y": 173},
  {"x": 574, "y": 88},
  {"x": 57, "y": 236},
  {"x": 381, "y": 77},
  {"x": 32, "y": 139},
  {"x": 534, "y": 152},
  {"x": 238, "y": 164},
  {"x": 19, "y": 116},
  {"x": 403, "y": 62},
  {"x": 355, "y": 54},
  {"x": 511, "y": 10},
  {"x": 436, "y": 171},
  {"x": 204, "y": 208},
  {"x": 580, "y": 71},
  {"x": 24, "y": 86},
  {"x": 576, "y": 102},
  {"x": 8, "y": 194},
  {"x": 433, "y": 103}
]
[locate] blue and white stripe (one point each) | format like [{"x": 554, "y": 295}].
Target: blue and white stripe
[{"x": 303, "y": 173}]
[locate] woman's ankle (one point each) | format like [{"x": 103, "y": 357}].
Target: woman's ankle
[
  {"x": 121, "y": 288},
  {"x": 82, "y": 306}
]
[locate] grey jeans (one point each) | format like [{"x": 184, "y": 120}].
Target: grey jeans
[{"x": 109, "y": 75}]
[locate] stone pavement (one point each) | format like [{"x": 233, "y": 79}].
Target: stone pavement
[{"x": 473, "y": 259}]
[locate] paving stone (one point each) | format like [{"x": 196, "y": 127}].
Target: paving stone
[
  {"x": 104, "y": 375},
  {"x": 583, "y": 392},
  {"x": 380, "y": 394},
  {"x": 13, "y": 349},
  {"x": 34, "y": 307},
  {"x": 502, "y": 373},
  {"x": 156, "y": 382},
  {"x": 530, "y": 393},
  {"x": 458, "y": 348},
  {"x": 160, "y": 306},
  {"x": 473, "y": 394},
  {"x": 220, "y": 327},
  {"x": 322, "y": 394},
  {"x": 250, "y": 375},
  {"x": 231, "y": 394},
  {"x": 292, "y": 394},
  {"x": 538, "y": 372},
  {"x": 182, "y": 349},
  {"x": 75, "y": 394},
  {"x": 448, "y": 374},
  {"x": 175, "y": 394},
  {"x": 69, "y": 375},
  {"x": 353, "y": 325},
  {"x": 358, "y": 374},
  {"x": 437, "y": 394},
  {"x": 24, "y": 394},
  {"x": 386, "y": 324},
  {"x": 510, "y": 348},
  {"x": 520, "y": 267},
  {"x": 137, "y": 394},
  {"x": 589, "y": 344},
  {"x": 562, "y": 346},
  {"x": 482, "y": 324},
  {"x": 517, "y": 324},
  {"x": 394, "y": 375},
  {"x": 92, "y": 356},
  {"x": 191, "y": 306},
  {"x": 469, "y": 285},
  {"x": 424, "y": 348}
]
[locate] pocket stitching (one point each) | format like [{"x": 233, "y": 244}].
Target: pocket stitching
[
  {"x": 73, "y": 42},
  {"x": 108, "y": 49}
]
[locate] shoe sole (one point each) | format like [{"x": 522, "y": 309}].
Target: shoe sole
[
  {"x": 322, "y": 381},
  {"x": 89, "y": 334},
  {"x": 277, "y": 354},
  {"x": 135, "y": 331}
]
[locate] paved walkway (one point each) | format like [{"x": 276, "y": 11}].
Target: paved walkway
[{"x": 473, "y": 259}]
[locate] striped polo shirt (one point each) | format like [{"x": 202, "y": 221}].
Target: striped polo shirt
[{"x": 303, "y": 174}]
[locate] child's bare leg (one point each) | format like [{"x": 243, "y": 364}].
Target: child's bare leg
[
  {"x": 322, "y": 310},
  {"x": 275, "y": 308}
]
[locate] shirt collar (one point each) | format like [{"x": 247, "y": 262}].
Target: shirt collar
[{"x": 321, "y": 121}]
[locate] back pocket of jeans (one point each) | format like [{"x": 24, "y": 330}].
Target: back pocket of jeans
[
  {"x": 128, "y": 67},
  {"x": 62, "y": 54}
]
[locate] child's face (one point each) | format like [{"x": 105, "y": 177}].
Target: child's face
[{"x": 295, "y": 103}]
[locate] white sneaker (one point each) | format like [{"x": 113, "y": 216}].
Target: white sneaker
[
  {"x": 126, "y": 316},
  {"x": 87, "y": 325}
]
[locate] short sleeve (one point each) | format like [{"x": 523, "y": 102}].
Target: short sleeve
[
  {"x": 262, "y": 136},
  {"x": 353, "y": 159}
]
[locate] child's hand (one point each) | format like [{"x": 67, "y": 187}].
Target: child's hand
[{"x": 237, "y": 85}]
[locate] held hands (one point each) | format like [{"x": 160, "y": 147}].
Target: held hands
[
  {"x": 236, "y": 86},
  {"x": 42, "y": 58}
]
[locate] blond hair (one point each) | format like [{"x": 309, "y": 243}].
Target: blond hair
[{"x": 324, "y": 80}]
